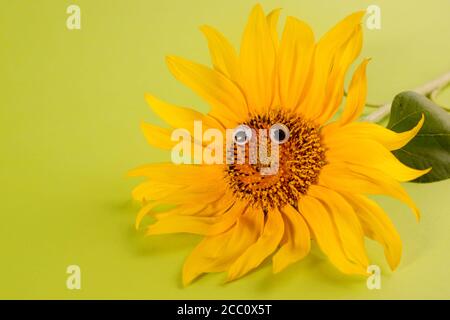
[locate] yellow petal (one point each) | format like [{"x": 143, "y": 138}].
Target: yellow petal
[
  {"x": 179, "y": 196},
  {"x": 196, "y": 194},
  {"x": 226, "y": 100},
  {"x": 362, "y": 180},
  {"x": 324, "y": 55},
  {"x": 228, "y": 219},
  {"x": 356, "y": 97},
  {"x": 179, "y": 117},
  {"x": 223, "y": 55},
  {"x": 272, "y": 22},
  {"x": 182, "y": 224},
  {"x": 296, "y": 241},
  {"x": 388, "y": 138},
  {"x": 185, "y": 174},
  {"x": 378, "y": 226},
  {"x": 325, "y": 233},
  {"x": 217, "y": 253},
  {"x": 162, "y": 138},
  {"x": 180, "y": 185},
  {"x": 145, "y": 210},
  {"x": 261, "y": 249},
  {"x": 157, "y": 136},
  {"x": 186, "y": 209},
  {"x": 154, "y": 195},
  {"x": 172, "y": 193},
  {"x": 335, "y": 84},
  {"x": 348, "y": 228},
  {"x": 294, "y": 59},
  {"x": 154, "y": 190},
  {"x": 209, "y": 208},
  {"x": 370, "y": 153},
  {"x": 257, "y": 61}
]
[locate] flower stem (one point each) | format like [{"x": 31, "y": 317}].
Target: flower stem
[{"x": 425, "y": 89}]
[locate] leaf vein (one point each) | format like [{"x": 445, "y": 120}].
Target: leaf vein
[{"x": 404, "y": 118}]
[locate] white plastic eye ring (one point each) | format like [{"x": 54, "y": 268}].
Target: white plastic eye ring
[
  {"x": 279, "y": 133},
  {"x": 242, "y": 134}
]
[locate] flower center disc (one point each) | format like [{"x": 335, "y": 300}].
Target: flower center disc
[{"x": 300, "y": 159}]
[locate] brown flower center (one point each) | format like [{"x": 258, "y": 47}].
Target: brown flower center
[{"x": 300, "y": 159}]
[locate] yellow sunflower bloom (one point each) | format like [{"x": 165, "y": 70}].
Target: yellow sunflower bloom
[{"x": 326, "y": 168}]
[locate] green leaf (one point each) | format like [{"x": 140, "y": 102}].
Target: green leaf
[{"x": 431, "y": 146}]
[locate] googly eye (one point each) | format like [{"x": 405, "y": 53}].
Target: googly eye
[
  {"x": 279, "y": 133},
  {"x": 242, "y": 134}
]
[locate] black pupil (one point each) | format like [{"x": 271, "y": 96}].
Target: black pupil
[{"x": 280, "y": 135}]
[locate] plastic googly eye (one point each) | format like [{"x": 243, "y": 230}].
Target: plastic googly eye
[
  {"x": 242, "y": 134},
  {"x": 279, "y": 133}
]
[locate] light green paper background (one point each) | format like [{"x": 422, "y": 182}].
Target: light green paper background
[{"x": 70, "y": 107}]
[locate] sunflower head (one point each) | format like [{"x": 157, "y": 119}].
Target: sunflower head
[{"x": 291, "y": 87}]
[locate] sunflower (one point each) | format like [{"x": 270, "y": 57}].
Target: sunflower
[{"x": 327, "y": 167}]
